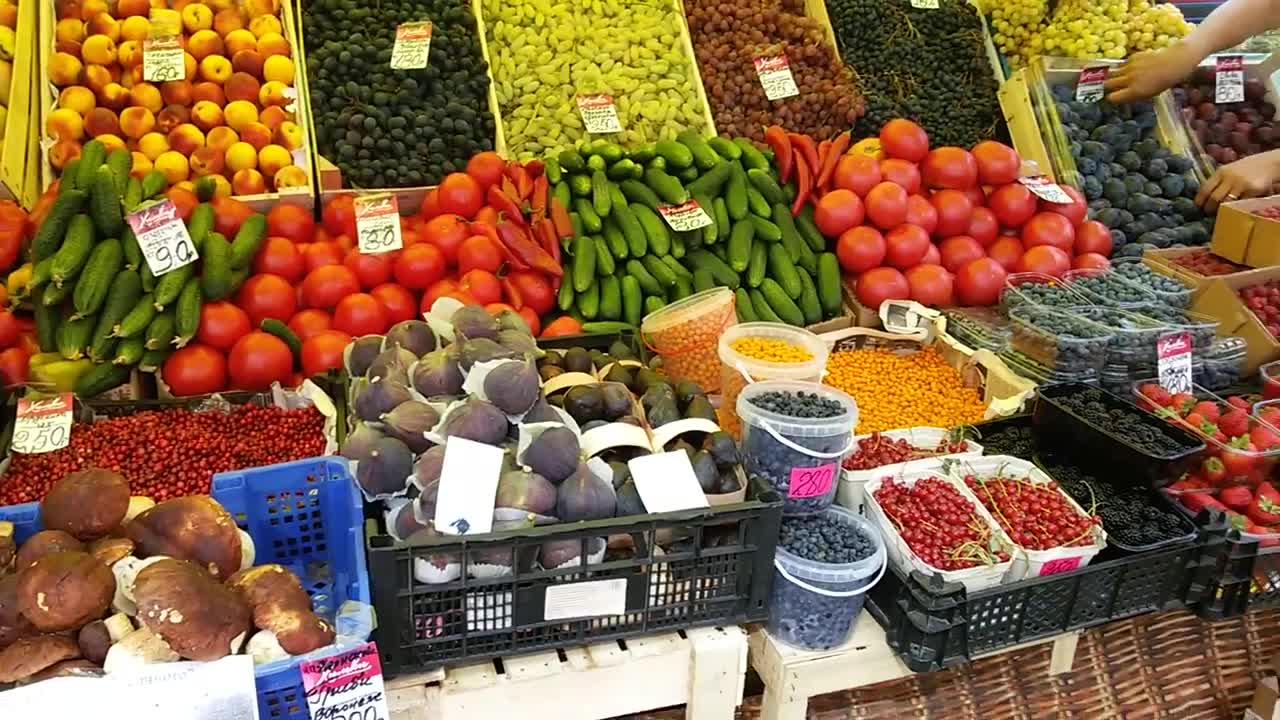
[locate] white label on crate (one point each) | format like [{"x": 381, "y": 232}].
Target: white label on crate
[
  {"x": 412, "y": 47},
  {"x": 686, "y": 216},
  {"x": 775, "y": 76},
  {"x": 1228, "y": 79},
  {"x": 163, "y": 237},
  {"x": 925, "y": 4},
  {"x": 1173, "y": 361},
  {"x": 42, "y": 425},
  {"x": 468, "y": 486},
  {"x": 378, "y": 223},
  {"x": 162, "y": 60},
  {"x": 599, "y": 115},
  {"x": 666, "y": 482},
  {"x": 1089, "y": 85},
  {"x": 1045, "y": 189},
  {"x": 586, "y": 599},
  {"x": 346, "y": 686}
]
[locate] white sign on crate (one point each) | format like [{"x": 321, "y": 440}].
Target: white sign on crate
[
  {"x": 378, "y": 223},
  {"x": 599, "y": 114},
  {"x": 1089, "y": 85},
  {"x": 42, "y": 426},
  {"x": 1173, "y": 361},
  {"x": 685, "y": 216},
  {"x": 1228, "y": 79},
  {"x": 163, "y": 237},
  {"x": 468, "y": 487},
  {"x": 412, "y": 46},
  {"x": 775, "y": 76},
  {"x": 162, "y": 60},
  {"x": 346, "y": 686}
]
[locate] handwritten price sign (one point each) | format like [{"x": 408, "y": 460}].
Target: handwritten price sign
[
  {"x": 42, "y": 425},
  {"x": 685, "y": 217},
  {"x": 599, "y": 114},
  {"x": 346, "y": 686},
  {"x": 811, "y": 481},
  {"x": 162, "y": 60},
  {"x": 775, "y": 76},
  {"x": 1045, "y": 189},
  {"x": 378, "y": 223},
  {"x": 1173, "y": 361},
  {"x": 1089, "y": 85},
  {"x": 413, "y": 46},
  {"x": 163, "y": 237},
  {"x": 1228, "y": 79}
]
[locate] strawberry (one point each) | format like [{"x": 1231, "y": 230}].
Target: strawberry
[
  {"x": 1197, "y": 501},
  {"x": 1196, "y": 420},
  {"x": 1270, "y": 415},
  {"x": 1264, "y": 437},
  {"x": 1214, "y": 471},
  {"x": 1183, "y": 402},
  {"x": 1236, "y": 497},
  {"x": 1239, "y": 402},
  {"x": 1208, "y": 409},
  {"x": 1156, "y": 394},
  {"x": 1264, "y": 511},
  {"x": 1234, "y": 423},
  {"x": 1267, "y": 490},
  {"x": 1240, "y": 460}
]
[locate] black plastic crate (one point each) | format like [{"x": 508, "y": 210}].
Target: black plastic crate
[
  {"x": 1239, "y": 575},
  {"x": 704, "y": 567}
]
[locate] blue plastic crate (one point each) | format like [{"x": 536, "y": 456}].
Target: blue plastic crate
[{"x": 306, "y": 515}]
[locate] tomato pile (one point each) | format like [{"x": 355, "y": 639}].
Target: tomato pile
[
  {"x": 876, "y": 450},
  {"x": 1036, "y": 516},
  {"x": 1263, "y": 300},
  {"x": 1242, "y": 446},
  {"x": 939, "y": 524}
]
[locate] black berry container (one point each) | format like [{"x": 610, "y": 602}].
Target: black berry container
[{"x": 799, "y": 456}]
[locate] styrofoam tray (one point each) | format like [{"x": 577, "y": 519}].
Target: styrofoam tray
[{"x": 852, "y": 482}]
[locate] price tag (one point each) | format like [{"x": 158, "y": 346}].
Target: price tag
[
  {"x": 346, "y": 686},
  {"x": 413, "y": 46},
  {"x": 775, "y": 75},
  {"x": 378, "y": 223},
  {"x": 1089, "y": 85},
  {"x": 686, "y": 216},
  {"x": 1173, "y": 361},
  {"x": 593, "y": 598},
  {"x": 925, "y": 4},
  {"x": 1228, "y": 79},
  {"x": 162, "y": 60},
  {"x": 42, "y": 425},
  {"x": 599, "y": 114},
  {"x": 1061, "y": 565},
  {"x": 163, "y": 237},
  {"x": 810, "y": 482},
  {"x": 1045, "y": 189},
  {"x": 468, "y": 487},
  {"x": 666, "y": 482}
]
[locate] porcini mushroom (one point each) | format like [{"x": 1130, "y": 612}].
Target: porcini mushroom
[
  {"x": 69, "y": 668},
  {"x": 65, "y": 590},
  {"x": 194, "y": 528},
  {"x": 270, "y": 583},
  {"x": 96, "y": 638},
  {"x": 8, "y": 548},
  {"x": 88, "y": 504},
  {"x": 12, "y": 624},
  {"x": 138, "y": 648},
  {"x": 44, "y": 543},
  {"x": 109, "y": 550},
  {"x": 138, "y": 504},
  {"x": 126, "y": 571},
  {"x": 263, "y": 647},
  {"x": 281, "y": 605},
  {"x": 30, "y": 655},
  {"x": 198, "y": 617}
]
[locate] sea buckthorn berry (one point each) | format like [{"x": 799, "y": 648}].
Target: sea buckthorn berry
[{"x": 901, "y": 391}]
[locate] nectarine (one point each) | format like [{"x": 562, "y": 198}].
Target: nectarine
[
  {"x": 65, "y": 124},
  {"x": 101, "y": 121},
  {"x": 174, "y": 166},
  {"x": 248, "y": 182}
]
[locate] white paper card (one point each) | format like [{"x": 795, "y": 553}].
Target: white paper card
[
  {"x": 1228, "y": 79},
  {"x": 925, "y": 4},
  {"x": 1089, "y": 85},
  {"x": 599, "y": 114},
  {"x": 666, "y": 482},
  {"x": 43, "y": 425},
  {"x": 775, "y": 77},
  {"x": 163, "y": 237},
  {"x": 378, "y": 223},
  {"x": 586, "y": 599},
  {"x": 468, "y": 486},
  {"x": 1045, "y": 189},
  {"x": 412, "y": 46},
  {"x": 1173, "y": 361},
  {"x": 162, "y": 60},
  {"x": 685, "y": 216}
]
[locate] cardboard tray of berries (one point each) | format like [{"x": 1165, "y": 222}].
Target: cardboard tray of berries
[
  {"x": 893, "y": 451},
  {"x": 1247, "y": 305}
]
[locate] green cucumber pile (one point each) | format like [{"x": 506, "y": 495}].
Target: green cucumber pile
[{"x": 624, "y": 261}]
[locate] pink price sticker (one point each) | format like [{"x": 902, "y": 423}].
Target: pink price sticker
[
  {"x": 1089, "y": 84},
  {"x": 1228, "y": 79},
  {"x": 346, "y": 685},
  {"x": 810, "y": 482},
  {"x": 1061, "y": 565}
]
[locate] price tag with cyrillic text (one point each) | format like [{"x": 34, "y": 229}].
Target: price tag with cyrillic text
[
  {"x": 346, "y": 686},
  {"x": 775, "y": 76},
  {"x": 1045, "y": 189},
  {"x": 378, "y": 223},
  {"x": 1089, "y": 85},
  {"x": 1228, "y": 79},
  {"x": 42, "y": 425},
  {"x": 162, "y": 60},
  {"x": 599, "y": 114},
  {"x": 685, "y": 216},
  {"x": 163, "y": 237},
  {"x": 412, "y": 47}
]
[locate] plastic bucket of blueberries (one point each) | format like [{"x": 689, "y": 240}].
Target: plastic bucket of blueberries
[
  {"x": 795, "y": 435},
  {"x": 814, "y": 602}
]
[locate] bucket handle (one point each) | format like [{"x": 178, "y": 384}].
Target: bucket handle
[
  {"x": 804, "y": 450},
  {"x": 884, "y": 564}
]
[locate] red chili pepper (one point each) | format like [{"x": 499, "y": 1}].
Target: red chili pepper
[
  {"x": 524, "y": 184},
  {"x": 804, "y": 185},
  {"x": 509, "y": 189},
  {"x": 534, "y": 168},
  {"x": 491, "y": 232},
  {"x": 824, "y": 148},
  {"x": 837, "y": 150},
  {"x": 538, "y": 201},
  {"x": 517, "y": 239},
  {"x": 512, "y": 292},
  {"x": 505, "y": 204},
  {"x": 560, "y": 216},
  {"x": 777, "y": 139},
  {"x": 804, "y": 146},
  {"x": 550, "y": 238}
]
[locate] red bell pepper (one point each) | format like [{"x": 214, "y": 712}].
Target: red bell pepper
[
  {"x": 512, "y": 292},
  {"x": 777, "y": 139},
  {"x": 803, "y": 146},
  {"x": 527, "y": 250},
  {"x": 538, "y": 200},
  {"x": 505, "y": 204},
  {"x": 534, "y": 168},
  {"x": 804, "y": 185},
  {"x": 491, "y": 232}
]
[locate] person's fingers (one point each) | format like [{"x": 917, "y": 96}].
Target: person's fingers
[
  {"x": 1123, "y": 95},
  {"x": 1208, "y": 188},
  {"x": 1224, "y": 193}
]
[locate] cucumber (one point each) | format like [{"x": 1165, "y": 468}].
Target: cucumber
[
  {"x": 765, "y": 230},
  {"x": 659, "y": 271},
  {"x": 584, "y": 263},
  {"x": 132, "y": 194},
  {"x": 580, "y": 186},
  {"x": 601, "y": 201},
  {"x": 725, "y": 148},
  {"x": 72, "y": 338},
  {"x": 153, "y": 359},
  {"x": 285, "y": 333},
  {"x": 704, "y": 158},
  {"x": 126, "y": 290},
  {"x": 735, "y": 195},
  {"x": 153, "y": 183},
  {"x": 677, "y": 156},
  {"x": 665, "y": 186},
  {"x": 786, "y": 225},
  {"x": 69, "y": 174},
  {"x": 610, "y": 298},
  {"x": 742, "y": 305},
  {"x": 47, "y": 321},
  {"x": 186, "y": 315},
  {"x": 170, "y": 285},
  {"x": 759, "y": 206},
  {"x": 702, "y": 280},
  {"x": 637, "y": 192},
  {"x": 722, "y": 219},
  {"x": 74, "y": 253},
  {"x": 682, "y": 289},
  {"x": 723, "y": 274},
  {"x": 564, "y": 297},
  {"x": 632, "y": 300},
  {"x": 137, "y": 320},
  {"x": 781, "y": 303},
  {"x": 828, "y": 281},
  {"x": 133, "y": 259},
  {"x": 160, "y": 331},
  {"x": 752, "y": 158},
  {"x": 104, "y": 203},
  {"x": 571, "y": 161},
  {"x": 655, "y": 230},
  {"x": 809, "y": 230},
  {"x": 764, "y": 183},
  {"x": 761, "y": 308},
  {"x": 648, "y": 284},
  {"x": 654, "y": 303},
  {"x": 48, "y": 237},
  {"x": 103, "y": 377},
  {"x": 92, "y": 156},
  {"x": 783, "y": 271},
  {"x": 551, "y": 168},
  {"x": 247, "y": 240},
  {"x": 588, "y": 302},
  {"x": 129, "y": 352},
  {"x": 616, "y": 241},
  {"x": 98, "y": 276},
  {"x": 759, "y": 263},
  {"x": 120, "y": 162},
  {"x": 605, "y": 264},
  {"x": 676, "y": 267},
  {"x": 632, "y": 230},
  {"x": 590, "y": 220},
  {"x": 739, "y": 249},
  {"x": 808, "y": 301},
  {"x": 215, "y": 272}
]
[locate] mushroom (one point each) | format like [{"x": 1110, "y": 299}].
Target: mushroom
[
  {"x": 69, "y": 668},
  {"x": 194, "y": 528},
  {"x": 96, "y": 638},
  {"x": 263, "y": 647},
  {"x": 110, "y": 551},
  {"x": 198, "y": 617},
  {"x": 126, "y": 571},
  {"x": 281, "y": 605},
  {"x": 12, "y": 624},
  {"x": 270, "y": 583},
  {"x": 65, "y": 590},
  {"x": 44, "y": 543},
  {"x": 88, "y": 504},
  {"x": 8, "y": 549},
  {"x": 138, "y": 648},
  {"x": 30, "y": 655},
  {"x": 138, "y": 504},
  {"x": 248, "y": 550}
]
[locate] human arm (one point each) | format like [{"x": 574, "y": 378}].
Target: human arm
[{"x": 1248, "y": 177}]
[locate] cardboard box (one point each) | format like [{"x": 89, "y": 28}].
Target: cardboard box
[
  {"x": 1266, "y": 697},
  {"x": 1241, "y": 236},
  {"x": 1219, "y": 300}
]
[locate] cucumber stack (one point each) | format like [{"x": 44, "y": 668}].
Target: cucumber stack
[{"x": 625, "y": 261}]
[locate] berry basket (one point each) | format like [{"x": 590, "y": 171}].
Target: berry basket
[
  {"x": 1109, "y": 288},
  {"x": 1170, "y": 290},
  {"x": 850, "y": 492},
  {"x": 1038, "y": 289},
  {"x": 1058, "y": 339},
  {"x": 1133, "y": 336},
  {"x": 306, "y": 515},
  {"x": 1203, "y": 328}
]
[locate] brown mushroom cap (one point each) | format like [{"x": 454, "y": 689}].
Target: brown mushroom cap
[
  {"x": 12, "y": 624},
  {"x": 8, "y": 550},
  {"x": 271, "y": 584},
  {"x": 298, "y": 631},
  {"x": 110, "y": 551},
  {"x": 94, "y": 640},
  {"x": 30, "y": 655},
  {"x": 196, "y": 615},
  {"x": 87, "y": 503},
  {"x": 46, "y": 542},
  {"x": 65, "y": 590},
  {"x": 194, "y": 528}
]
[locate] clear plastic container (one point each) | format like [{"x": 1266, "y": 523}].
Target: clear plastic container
[
  {"x": 1038, "y": 289},
  {"x": 1167, "y": 288},
  {"x": 1203, "y": 328},
  {"x": 1133, "y": 336},
  {"x": 799, "y": 457},
  {"x": 1108, "y": 288},
  {"x": 1269, "y": 374},
  {"x": 738, "y": 370},
  {"x": 1218, "y": 373},
  {"x": 978, "y": 327},
  {"x": 1032, "y": 369},
  {"x": 685, "y": 334},
  {"x": 813, "y": 604},
  {"x": 1058, "y": 339}
]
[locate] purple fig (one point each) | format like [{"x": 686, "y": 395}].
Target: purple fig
[
  {"x": 558, "y": 553},
  {"x": 402, "y": 522},
  {"x": 476, "y": 420},
  {"x": 508, "y": 320},
  {"x": 483, "y": 350},
  {"x": 583, "y": 496},
  {"x": 512, "y": 386},
  {"x": 542, "y": 412},
  {"x": 360, "y": 354},
  {"x": 525, "y": 490},
  {"x": 472, "y": 321},
  {"x": 373, "y": 399},
  {"x": 553, "y": 454},
  {"x": 416, "y": 336},
  {"x": 408, "y": 421},
  {"x": 437, "y": 374},
  {"x": 521, "y": 342},
  {"x": 426, "y": 474},
  {"x": 386, "y": 470},
  {"x": 392, "y": 364},
  {"x": 360, "y": 442}
]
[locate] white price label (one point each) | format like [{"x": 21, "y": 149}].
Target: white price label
[
  {"x": 378, "y": 223},
  {"x": 162, "y": 60},
  {"x": 1089, "y": 85},
  {"x": 163, "y": 237},
  {"x": 1045, "y": 189},
  {"x": 42, "y": 425},
  {"x": 593, "y": 598},
  {"x": 346, "y": 686},
  {"x": 666, "y": 482},
  {"x": 686, "y": 216},
  {"x": 775, "y": 76},
  {"x": 1173, "y": 361},
  {"x": 1228, "y": 79},
  {"x": 413, "y": 46},
  {"x": 468, "y": 487},
  {"x": 925, "y": 4},
  {"x": 599, "y": 114}
]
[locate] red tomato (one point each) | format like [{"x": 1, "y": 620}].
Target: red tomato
[
  {"x": 1092, "y": 237},
  {"x": 14, "y": 366},
  {"x": 183, "y": 200},
  {"x": 419, "y": 266},
  {"x": 905, "y": 245},
  {"x": 1076, "y": 212},
  {"x": 1013, "y": 204},
  {"x": 430, "y": 205},
  {"x": 486, "y": 168},
  {"x": 345, "y": 244},
  {"x": 481, "y": 285},
  {"x": 979, "y": 282},
  {"x": 259, "y": 359},
  {"x": 931, "y": 285},
  {"x": 397, "y": 301},
  {"x": 1090, "y": 260},
  {"x": 325, "y": 286},
  {"x": 531, "y": 319},
  {"x": 931, "y": 256},
  {"x": 479, "y": 252},
  {"x": 280, "y": 256},
  {"x": 837, "y": 211},
  {"x": 339, "y": 215},
  {"x": 370, "y": 270},
  {"x": 977, "y": 197},
  {"x": 195, "y": 370},
  {"x": 310, "y": 322},
  {"x": 9, "y": 328},
  {"x": 1048, "y": 228},
  {"x": 267, "y": 296},
  {"x": 887, "y": 205},
  {"x": 322, "y": 253},
  {"x": 460, "y": 194},
  {"x": 1046, "y": 260},
  {"x": 535, "y": 290},
  {"x": 859, "y": 249},
  {"x": 222, "y": 324},
  {"x": 561, "y": 326},
  {"x": 293, "y": 222},
  {"x": 446, "y": 232},
  {"x": 229, "y": 214},
  {"x": 879, "y": 284},
  {"x": 360, "y": 314},
  {"x": 983, "y": 226},
  {"x": 998, "y": 163},
  {"x": 954, "y": 212},
  {"x": 950, "y": 167},
  {"x": 1007, "y": 251},
  {"x": 902, "y": 173},
  {"x": 486, "y": 215},
  {"x": 437, "y": 290},
  {"x": 322, "y": 352},
  {"x": 960, "y": 250},
  {"x": 904, "y": 139},
  {"x": 921, "y": 212},
  {"x": 858, "y": 173}
]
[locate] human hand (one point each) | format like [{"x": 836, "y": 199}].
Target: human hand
[
  {"x": 1148, "y": 74},
  {"x": 1245, "y": 178}
]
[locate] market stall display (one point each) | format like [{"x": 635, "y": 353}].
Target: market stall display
[
  {"x": 1227, "y": 131},
  {"x": 1115, "y": 29}
]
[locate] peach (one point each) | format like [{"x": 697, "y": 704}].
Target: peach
[
  {"x": 96, "y": 77},
  {"x": 77, "y": 98},
  {"x": 241, "y": 86},
  {"x": 239, "y": 114},
  {"x": 136, "y": 27},
  {"x": 89, "y": 9},
  {"x": 261, "y": 7},
  {"x": 101, "y": 121},
  {"x": 146, "y": 95},
  {"x": 165, "y": 21},
  {"x": 273, "y": 94},
  {"x": 278, "y": 68},
  {"x": 180, "y": 5},
  {"x": 189, "y": 66},
  {"x": 262, "y": 25},
  {"x": 171, "y": 117},
  {"x": 173, "y": 165},
  {"x": 152, "y": 145},
  {"x": 207, "y": 115},
  {"x": 221, "y": 138},
  {"x": 103, "y": 24},
  {"x": 65, "y": 124},
  {"x": 185, "y": 139},
  {"x": 136, "y": 122},
  {"x": 221, "y": 186},
  {"x": 218, "y": 6},
  {"x": 176, "y": 92},
  {"x": 206, "y": 161},
  {"x": 132, "y": 76},
  {"x": 69, "y": 30},
  {"x": 228, "y": 21},
  {"x": 63, "y": 152},
  {"x": 111, "y": 142},
  {"x": 69, "y": 47},
  {"x": 241, "y": 156},
  {"x": 210, "y": 91},
  {"x": 289, "y": 135},
  {"x": 290, "y": 177},
  {"x": 66, "y": 8},
  {"x": 204, "y": 43},
  {"x": 248, "y": 62},
  {"x": 132, "y": 8},
  {"x": 256, "y": 134},
  {"x": 273, "y": 44},
  {"x": 197, "y": 17},
  {"x": 273, "y": 117},
  {"x": 114, "y": 96},
  {"x": 98, "y": 50},
  {"x": 141, "y": 165},
  {"x": 129, "y": 53},
  {"x": 273, "y": 157},
  {"x": 215, "y": 68},
  {"x": 248, "y": 182},
  {"x": 238, "y": 40},
  {"x": 9, "y": 16},
  {"x": 65, "y": 69}
]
